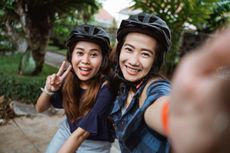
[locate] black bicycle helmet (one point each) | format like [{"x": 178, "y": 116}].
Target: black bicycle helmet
[
  {"x": 90, "y": 33},
  {"x": 151, "y": 25}
]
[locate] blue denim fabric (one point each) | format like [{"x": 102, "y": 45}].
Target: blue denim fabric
[
  {"x": 132, "y": 132},
  {"x": 88, "y": 146},
  {"x": 59, "y": 138}
]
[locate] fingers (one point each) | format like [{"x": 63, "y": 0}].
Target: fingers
[
  {"x": 198, "y": 95},
  {"x": 198, "y": 71},
  {"x": 53, "y": 79},
  {"x": 65, "y": 65},
  {"x": 215, "y": 53},
  {"x": 205, "y": 62},
  {"x": 53, "y": 82},
  {"x": 66, "y": 72}
]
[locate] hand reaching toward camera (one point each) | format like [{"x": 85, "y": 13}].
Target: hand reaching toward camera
[{"x": 199, "y": 120}]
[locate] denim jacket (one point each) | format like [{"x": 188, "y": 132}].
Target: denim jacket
[{"x": 131, "y": 130}]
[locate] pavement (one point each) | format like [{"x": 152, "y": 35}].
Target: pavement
[
  {"x": 29, "y": 131},
  {"x": 54, "y": 59}
]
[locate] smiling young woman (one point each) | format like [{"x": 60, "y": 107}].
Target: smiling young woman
[
  {"x": 84, "y": 93},
  {"x": 143, "y": 40}
]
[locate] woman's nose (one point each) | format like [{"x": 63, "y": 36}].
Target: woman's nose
[
  {"x": 85, "y": 59},
  {"x": 134, "y": 60}
]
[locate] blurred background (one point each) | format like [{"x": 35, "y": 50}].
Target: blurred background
[{"x": 34, "y": 31}]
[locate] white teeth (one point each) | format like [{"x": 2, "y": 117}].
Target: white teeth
[
  {"x": 132, "y": 70},
  {"x": 84, "y": 69}
]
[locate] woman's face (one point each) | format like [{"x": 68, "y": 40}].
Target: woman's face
[
  {"x": 86, "y": 60},
  {"x": 137, "y": 56}
]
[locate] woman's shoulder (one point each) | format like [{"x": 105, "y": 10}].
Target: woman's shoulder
[
  {"x": 105, "y": 88},
  {"x": 157, "y": 80},
  {"x": 105, "y": 83},
  {"x": 157, "y": 84}
]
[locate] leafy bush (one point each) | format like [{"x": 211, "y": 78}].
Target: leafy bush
[{"x": 22, "y": 88}]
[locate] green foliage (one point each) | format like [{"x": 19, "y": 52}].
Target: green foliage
[
  {"x": 219, "y": 17},
  {"x": 64, "y": 23},
  {"x": 61, "y": 29},
  {"x": 23, "y": 88}
]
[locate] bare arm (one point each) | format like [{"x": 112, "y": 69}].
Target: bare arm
[
  {"x": 53, "y": 83},
  {"x": 74, "y": 141},
  {"x": 153, "y": 115},
  {"x": 43, "y": 102}
]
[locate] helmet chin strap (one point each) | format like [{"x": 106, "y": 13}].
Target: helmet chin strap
[{"x": 134, "y": 85}]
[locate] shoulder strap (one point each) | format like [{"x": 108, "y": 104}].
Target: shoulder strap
[{"x": 143, "y": 95}]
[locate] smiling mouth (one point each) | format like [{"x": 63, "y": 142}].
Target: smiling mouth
[
  {"x": 132, "y": 70},
  {"x": 85, "y": 69}
]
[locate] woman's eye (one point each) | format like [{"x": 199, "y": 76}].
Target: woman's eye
[
  {"x": 93, "y": 55},
  {"x": 79, "y": 53},
  {"x": 128, "y": 49},
  {"x": 145, "y": 54}
]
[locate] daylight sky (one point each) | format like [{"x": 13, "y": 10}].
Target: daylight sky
[{"x": 114, "y": 6}]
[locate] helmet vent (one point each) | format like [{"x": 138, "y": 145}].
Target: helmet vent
[
  {"x": 152, "y": 20},
  {"x": 96, "y": 31},
  {"x": 146, "y": 19}
]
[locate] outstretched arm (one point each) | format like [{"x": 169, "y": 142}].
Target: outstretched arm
[
  {"x": 153, "y": 115},
  {"x": 199, "y": 118}
]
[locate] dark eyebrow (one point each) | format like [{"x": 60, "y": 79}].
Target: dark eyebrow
[
  {"x": 143, "y": 49},
  {"x": 79, "y": 48},
  {"x": 92, "y": 50},
  {"x": 129, "y": 45},
  {"x": 95, "y": 50}
]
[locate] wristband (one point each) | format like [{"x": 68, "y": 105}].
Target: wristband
[
  {"x": 46, "y": 91},
  {"x": 164, "y": 117}
]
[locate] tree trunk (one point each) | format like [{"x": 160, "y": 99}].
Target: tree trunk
[
  {"x": 36, "y": 24},
  {"x": 38, "y": 39}
]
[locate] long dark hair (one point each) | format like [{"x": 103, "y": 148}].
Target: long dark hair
[{"x": 75, "y": 106}]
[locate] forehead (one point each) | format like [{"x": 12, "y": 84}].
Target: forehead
[
  {"x": 87, "y": 45},
  {"x": 140, "y": 40}
]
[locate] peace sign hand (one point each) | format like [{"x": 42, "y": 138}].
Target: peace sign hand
[{"x": 54, "y": 81}]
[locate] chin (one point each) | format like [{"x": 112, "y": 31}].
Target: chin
[{"x": 131, "y": 79}]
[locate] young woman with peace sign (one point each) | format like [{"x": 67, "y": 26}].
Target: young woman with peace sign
[{"x": 82, "y": 90}]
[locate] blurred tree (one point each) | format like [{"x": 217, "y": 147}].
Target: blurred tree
[
  {"x": 176, "y": 13},
  {"x": 8, "y": 39},
  {"x": 112, "y": 31},
  {"x": 219, "y": 17},
  {"x": 65, "y": 23},
  {"x": 61, "y": 28},
  {"x": 36, "y": 18}
]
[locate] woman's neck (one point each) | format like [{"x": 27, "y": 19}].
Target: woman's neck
[
  {"x": 84, "y": 84},
  {"x": 131, "y": 93}
]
